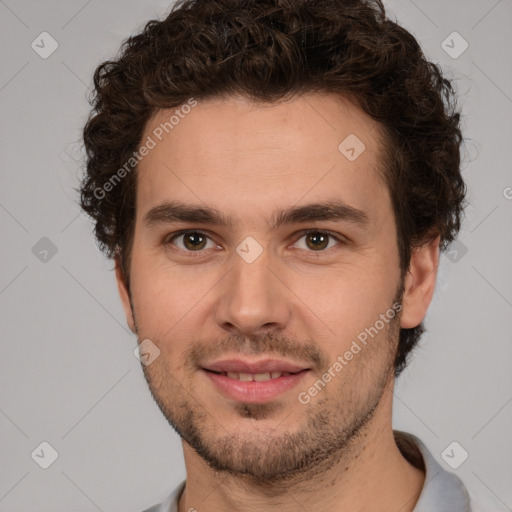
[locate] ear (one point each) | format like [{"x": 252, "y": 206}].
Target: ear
[
  {"x": 419, "y": 283},
  {"x": 125, "y": 296}
]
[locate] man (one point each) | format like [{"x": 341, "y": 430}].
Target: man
[{"x": 275, "y": 180}]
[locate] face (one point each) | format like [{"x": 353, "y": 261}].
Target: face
[{"x": 262, "y": 251}]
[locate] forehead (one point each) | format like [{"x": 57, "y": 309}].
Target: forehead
[{"x": 246, "y": 158}]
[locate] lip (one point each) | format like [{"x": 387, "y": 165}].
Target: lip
[
  {"x": 263, "y": 366},
  {"x": 254, "y": 392}
]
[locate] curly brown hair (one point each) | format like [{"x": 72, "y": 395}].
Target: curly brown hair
[{"x": 269, "y": 50}]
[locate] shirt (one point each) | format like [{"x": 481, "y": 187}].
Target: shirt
[{"x": 442, "y": 491}]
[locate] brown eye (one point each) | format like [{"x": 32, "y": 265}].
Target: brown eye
[
  {"x": 191, "y": 241},
  {"x": 317, "y": 240},
  {"x": 194, "y": 241}
]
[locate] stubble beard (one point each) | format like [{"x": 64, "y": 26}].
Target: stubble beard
[{"x": 330, "y": 428}]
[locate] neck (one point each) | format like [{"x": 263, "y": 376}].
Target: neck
[{"x": 372, "y": 474}]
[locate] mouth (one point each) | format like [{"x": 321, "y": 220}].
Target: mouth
[
  {"x": 254, "y": 382},
  {"x": 254, "y": 377}
]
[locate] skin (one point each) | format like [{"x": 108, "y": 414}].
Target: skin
[{"x": 294, "y": 302}]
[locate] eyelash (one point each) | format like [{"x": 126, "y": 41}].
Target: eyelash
[{"x": 170, "y": 239}]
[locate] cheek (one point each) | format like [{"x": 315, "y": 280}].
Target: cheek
[
  {"x": 163, "y": 298},
  {"x": 347, "y": 301},
  {"x": 168, "y": 299},
  {"x": 334, "y": 303}
]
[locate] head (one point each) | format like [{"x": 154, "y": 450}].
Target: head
[{"x": 234, "y": 119}]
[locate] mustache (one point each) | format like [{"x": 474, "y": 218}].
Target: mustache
[{"x": 269, "y": 344}]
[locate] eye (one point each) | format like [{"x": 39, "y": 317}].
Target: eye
[
  {"x": 191, "y": 241},
  {"x": 197, "y": 241},
  {"x": 318, "y": 240}
]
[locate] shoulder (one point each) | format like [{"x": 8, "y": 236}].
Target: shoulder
[
  {"x": 154, "y": 508},
  {"x": 171, "y": 503},
  {"x": 485, "y": 502}
]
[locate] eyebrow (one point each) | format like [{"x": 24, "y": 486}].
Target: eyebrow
[{"x": 176, "y": 211}]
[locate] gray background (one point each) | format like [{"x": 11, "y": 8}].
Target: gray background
[{"x": 67, "y": 372}]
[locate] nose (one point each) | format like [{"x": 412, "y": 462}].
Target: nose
[{"x": 252, "y": 299}]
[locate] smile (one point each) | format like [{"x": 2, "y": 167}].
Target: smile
[
  {"x": 254, "y": 387},
  {"x": 259, "y": 377}
]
